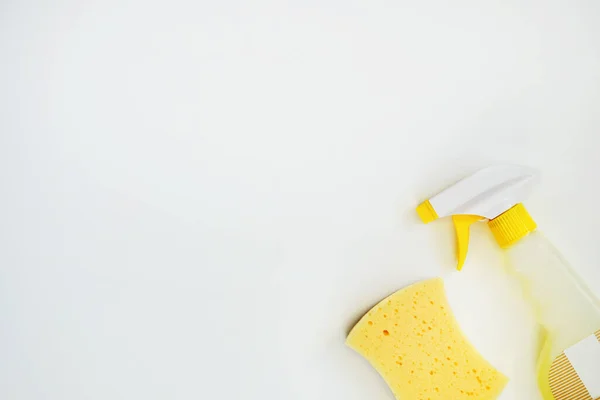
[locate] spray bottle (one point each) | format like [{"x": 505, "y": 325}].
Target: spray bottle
[{"x": 568, "y": 312}]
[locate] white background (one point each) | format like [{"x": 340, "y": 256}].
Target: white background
[{"x": 198, "y": 199}]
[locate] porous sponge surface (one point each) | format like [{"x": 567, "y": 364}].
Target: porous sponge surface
[{"x": 413, "y": 340}]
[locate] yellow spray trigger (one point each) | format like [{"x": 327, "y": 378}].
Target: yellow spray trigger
[{"x": 462, "y": 226}]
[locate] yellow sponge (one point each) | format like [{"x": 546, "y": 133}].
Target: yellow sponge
[{"x": 414, "y": 342}]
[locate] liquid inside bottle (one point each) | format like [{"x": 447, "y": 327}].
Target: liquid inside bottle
[{"x": 564, "y": 306}]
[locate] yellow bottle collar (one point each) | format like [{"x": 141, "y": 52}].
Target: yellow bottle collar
[{"x": 511, "y": 226}]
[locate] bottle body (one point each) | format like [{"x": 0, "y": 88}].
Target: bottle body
[{"x": 564, "y": 306}]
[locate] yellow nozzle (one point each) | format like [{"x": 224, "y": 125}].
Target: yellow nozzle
[{"x": 426, "y": 212}]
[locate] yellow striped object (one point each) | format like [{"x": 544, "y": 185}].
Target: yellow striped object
[{"x": 565, "y": 384}]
